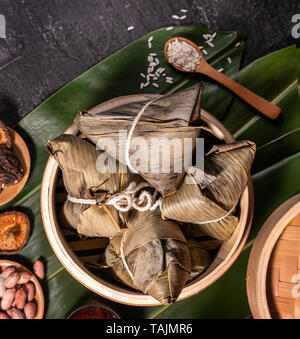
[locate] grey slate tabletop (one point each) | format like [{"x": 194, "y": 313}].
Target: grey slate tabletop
[{"x": 48, "y": 43}]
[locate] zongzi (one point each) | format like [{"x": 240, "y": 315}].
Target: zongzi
[
  {"x": 163, "y": 125},
  {"x": 84, "y": 182},
  {"x": 210, "y": 197},
  {"x": 156, "y": 259}
]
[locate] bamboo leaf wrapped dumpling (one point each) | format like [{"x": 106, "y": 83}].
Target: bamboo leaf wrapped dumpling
[
  {"x": 200, "y": 258},
  {"x": 156, "y": 254},
  {"x": 168, "y": 118},
  {"x": 208, "y": 199},
  {"x": 77, "y": 159}
]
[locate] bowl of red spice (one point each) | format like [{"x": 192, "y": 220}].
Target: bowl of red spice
[{"x": 94, "y": 310}]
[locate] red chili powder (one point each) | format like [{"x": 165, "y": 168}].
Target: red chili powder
[{"x": 92, "y": 312}]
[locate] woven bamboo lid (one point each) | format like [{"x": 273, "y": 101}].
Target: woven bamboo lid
[{"x": 273, "y": 276}]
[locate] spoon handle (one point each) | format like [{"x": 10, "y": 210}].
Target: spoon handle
[{"x": 265, "y": 107}]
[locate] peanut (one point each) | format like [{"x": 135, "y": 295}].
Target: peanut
[
  {"x": 39, "y": 269},
  {"x": 9, "y": 311},
  {"x": 11, "y": 280},
  {"x": 20, "y": 298},
  {"x": 30, "y": 310},
  {"x": 30, "y": 290},
  {"x": 2, "y": 286},
  {"x": 8, "y": 298},
  {"x": 24, "y": 278},
  {"x": 8, "y": 271},
  {"x": 3, "y": 315},
  {"x": 17, "y": 314}
]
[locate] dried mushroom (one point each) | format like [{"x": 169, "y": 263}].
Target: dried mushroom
[
  {"x": 14, "y": 232},
  {"x": 11, "y": 171},
  {"x": 5, "y": 137}
]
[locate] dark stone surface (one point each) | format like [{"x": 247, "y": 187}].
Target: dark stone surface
[{"x": 49, "y": 42}]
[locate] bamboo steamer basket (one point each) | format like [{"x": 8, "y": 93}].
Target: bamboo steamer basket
[
  {"x": 273, "y": 276},
  {"x": 73, "y": 254}
]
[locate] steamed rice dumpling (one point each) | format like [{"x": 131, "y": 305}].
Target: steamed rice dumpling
[
  {"x": 210, "y": 197},
  {"x": 156, "y": 254},
  {"x": 111, "y": 259},
  {"x": 200, "y": 258},
  {"x": 77, "y": 159},
  {"x": 164, "y": 119}
]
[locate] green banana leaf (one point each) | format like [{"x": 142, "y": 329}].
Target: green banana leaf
[
  {"x": 119, "y": 75},
  {"x": 275, "y": 176}
]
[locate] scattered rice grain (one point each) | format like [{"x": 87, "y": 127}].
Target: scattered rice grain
[
  {"x": 169, "y": 28},
  {"x": 229, "y": 60},
  {"x": 130, "y": 28}
]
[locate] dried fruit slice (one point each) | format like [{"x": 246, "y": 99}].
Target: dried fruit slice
[{"x": 14, "y": 232}]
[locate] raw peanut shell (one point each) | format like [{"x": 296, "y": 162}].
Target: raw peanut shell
[
  {"x": 8, "y": 271},
  {"x": 17, "y": 314},
  {"x": 30, "y": 290},
  {"x": 39, "y": 269},
  {"x": 8, "y": 298},
  {"x": 4, "y": 315},
  {"x": 2, "y": 286},
  {"x": 24, "y": 278},
  {"x": 20, "y": 298},
  {"x": 30, "y": 310},
  {"x": 12, "y": 280}
]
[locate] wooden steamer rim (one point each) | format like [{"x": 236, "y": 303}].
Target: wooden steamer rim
[
  {"x": 261, "y": 253},
  {"x": 227, "y": 254}
]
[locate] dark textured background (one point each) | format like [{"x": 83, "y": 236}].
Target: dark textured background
[{"x": 49, "y": 42}]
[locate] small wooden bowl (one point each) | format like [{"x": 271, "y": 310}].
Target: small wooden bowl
[
  {"x": 69, "y": 251},
  {"x": 104, "y": 308},
  {"x": 273, "y": 276},
  {"x": 39, "y": 295},
  {"x": 21, "y": 151}
]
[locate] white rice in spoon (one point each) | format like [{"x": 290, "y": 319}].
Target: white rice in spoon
[{"x": 183, "y": 55}]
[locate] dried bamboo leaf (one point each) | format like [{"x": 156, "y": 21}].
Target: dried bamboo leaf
[
  {"x": 77, "y": 159},
  {"x": 168, "y": 118},
  {"x": 209, "y": 202},
  {"x": 200, "y": 258},
  {"x": 157, "y": 255}
]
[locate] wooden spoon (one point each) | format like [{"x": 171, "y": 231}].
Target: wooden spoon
[{"x": 265, "y": 107}]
